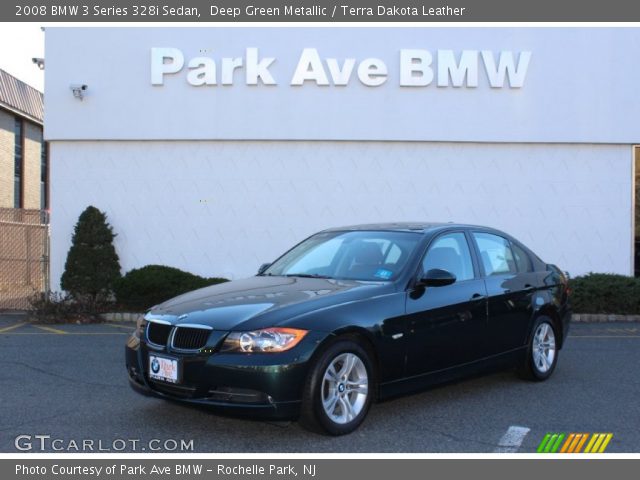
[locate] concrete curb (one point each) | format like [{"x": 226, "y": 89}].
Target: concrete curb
[
  {"x": 121, "y": 317},
  {"x": 603, "y": 317}
]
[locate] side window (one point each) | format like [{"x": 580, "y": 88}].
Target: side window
[
  {"x": 523, "y": 262},
  {"x": 450, "y": 252},
  {"x": 495, "y": 254}
]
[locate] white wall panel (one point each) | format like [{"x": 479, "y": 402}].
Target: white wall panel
[
  {"x": 223, "y": 208},
  {"x": 581, "y": 86}
]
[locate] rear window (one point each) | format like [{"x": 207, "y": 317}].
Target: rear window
[{"x": 523, "y": 262}]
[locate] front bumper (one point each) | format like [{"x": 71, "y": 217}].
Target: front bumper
[{"x": 257, "y": 385}]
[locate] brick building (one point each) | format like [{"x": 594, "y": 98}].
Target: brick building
[
  {"x": 23, "y": 152},
  {"x": 24, "y": 194}
]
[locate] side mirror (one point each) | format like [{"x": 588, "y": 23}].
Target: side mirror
[
  {"x": 436, "y": 277},
  {"x": 263, "y": 267}
]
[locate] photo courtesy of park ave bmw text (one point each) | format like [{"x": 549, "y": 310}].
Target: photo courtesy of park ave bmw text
[{"x": 215, "y": 149}]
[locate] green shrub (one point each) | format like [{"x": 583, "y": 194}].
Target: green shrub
[
  {"x": 92, "y": 265},
  {"x": 605, "y": 293},
  {"x": 142, "y": 288}
]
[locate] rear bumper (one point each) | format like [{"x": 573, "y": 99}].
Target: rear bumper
[{"x": 257, "y": 385}]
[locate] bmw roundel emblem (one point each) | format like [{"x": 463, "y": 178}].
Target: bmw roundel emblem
[{"x": 155, "y": 365}]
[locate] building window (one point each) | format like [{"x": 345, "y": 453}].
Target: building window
[
  {"x": 18, "y": 161},
  {"x": 44, "y": 175}
]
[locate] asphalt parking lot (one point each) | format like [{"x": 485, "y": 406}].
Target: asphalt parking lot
[{"x": 69, "y": 382}]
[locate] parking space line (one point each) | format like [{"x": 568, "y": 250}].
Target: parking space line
[
  {"x": 51, "y": 330},
  {"x": 11, "y": 327},
  {"x": 511, "y": 441},
  {"x": 114, "y": 325},
  {"x": 98, "y": 333}
]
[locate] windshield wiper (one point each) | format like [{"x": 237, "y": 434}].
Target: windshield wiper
[{"x": 307, "y": 275}]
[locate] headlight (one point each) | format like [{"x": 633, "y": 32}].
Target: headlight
[{"x": 268, "y": 340}]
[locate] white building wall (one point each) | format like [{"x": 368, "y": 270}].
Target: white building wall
[
  {"x": 225, "y": 207},
  {"x": 217, "y": 179},
  {"x": 580, "y": 87}
]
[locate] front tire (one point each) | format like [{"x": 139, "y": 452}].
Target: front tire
[
  {"x": 542, "y": 351},
  {"x": 338, "y": 393}
]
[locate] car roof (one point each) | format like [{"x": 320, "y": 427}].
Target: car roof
[{"x": 402, "y": 227}]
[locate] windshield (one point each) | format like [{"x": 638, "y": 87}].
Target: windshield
[{"x": 353, "y": 255}]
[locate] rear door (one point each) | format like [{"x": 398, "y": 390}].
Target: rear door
[
  {"x": 447, "y": 325},
  {"x": 510, "y": 284}
]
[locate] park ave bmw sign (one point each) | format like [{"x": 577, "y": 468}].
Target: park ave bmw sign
[{"x": 417, "y": 68}]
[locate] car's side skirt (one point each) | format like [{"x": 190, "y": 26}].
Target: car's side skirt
[{"x": 416, "y": 383}]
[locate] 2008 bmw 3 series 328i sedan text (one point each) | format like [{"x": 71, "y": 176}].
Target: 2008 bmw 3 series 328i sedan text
[{"x": 355, "y": 315}]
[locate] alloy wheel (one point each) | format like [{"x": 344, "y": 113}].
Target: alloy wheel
[
  {"x": 544, "y": 348},
  {"x": 345, "y": 387}
]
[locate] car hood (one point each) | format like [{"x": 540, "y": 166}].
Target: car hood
[{"x": 261, "y": 301}]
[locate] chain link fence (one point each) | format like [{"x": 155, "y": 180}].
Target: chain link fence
[{"x": 24, "y": 256}]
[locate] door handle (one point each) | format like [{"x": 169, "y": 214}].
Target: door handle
[
  {"x": 478, "y": 296},
  {"x": 528, "y": 287}
]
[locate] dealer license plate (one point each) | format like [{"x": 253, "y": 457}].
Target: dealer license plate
[{"x": 164, "y": 368}]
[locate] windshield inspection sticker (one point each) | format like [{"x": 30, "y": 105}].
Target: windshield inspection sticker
[{"x": 383, "y": 273}]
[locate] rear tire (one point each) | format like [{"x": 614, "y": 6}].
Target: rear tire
[
  {"x": 338, "y": 393},
  {"x": 542, "y": 351}
]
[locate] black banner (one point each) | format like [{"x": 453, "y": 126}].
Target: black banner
[
  {"x": 310, "y": 469},
  {"x": 318, "y": 11}
]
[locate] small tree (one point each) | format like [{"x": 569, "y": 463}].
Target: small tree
[{"x": 92, "y": 265}]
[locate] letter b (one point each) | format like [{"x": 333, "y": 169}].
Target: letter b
[{"x": 415, "y": 68}]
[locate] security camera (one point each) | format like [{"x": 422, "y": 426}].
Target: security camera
[
  {"x": 78, "y": 90},
  {"x": 39, "y": 62}
]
